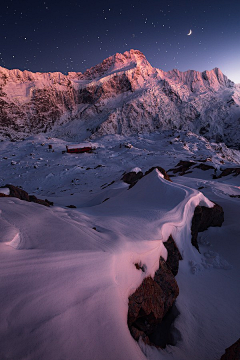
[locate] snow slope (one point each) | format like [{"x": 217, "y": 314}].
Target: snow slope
[{"x": 66, "y": 273}]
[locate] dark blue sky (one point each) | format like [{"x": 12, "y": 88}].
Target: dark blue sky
[{"x": 75, "y": 35}]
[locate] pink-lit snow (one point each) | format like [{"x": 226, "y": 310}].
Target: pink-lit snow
[{"x": 66, "y": 274}]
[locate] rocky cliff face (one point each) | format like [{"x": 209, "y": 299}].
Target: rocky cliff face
[
  {"x": 151, "y": 307},
  {"x": 124, "y": 94}
]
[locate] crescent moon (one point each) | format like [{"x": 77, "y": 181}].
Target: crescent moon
[{"x": 190, "y": 32}]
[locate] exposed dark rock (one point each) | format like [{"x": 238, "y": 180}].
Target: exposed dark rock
[
  {"x": 23, "y": 195},
  {"x": 17, "y": 192},
  {"x": 104, "y": 186},
  {"x": 233, "y": 352},
  {"x": 165, "y": 333},
  {"x": 151, "y": 309},
  {"x": 173, "y": 255},
  {"x": 167, "y": 282},
  {"x": 50, "y": 203},
  {"x": 204, "y": 167},
  {"x": 151, "y": 301},
  {"x": 171, "y": 93},
  {"x": 132, "y": 177},
  {"x": 230, "y": 171},
  {"x": 146, "y": 305},
  {"x": 45, "y": 202},
  {"x": 203, "y": 218},
  {"x": 204, "y": 129},
  {"x": 140, "y": 267},
  {"x": 159, "y": 168},
  {"x": 182, "y": 167}
]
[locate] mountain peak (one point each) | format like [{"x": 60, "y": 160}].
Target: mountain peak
[
  {"x": 116, "y": 63},
  {"x": 213, "y": 79},
  {"x": 125, "y": 95},
  {"x": 216, "y": 76},
  {"x": 133, "y": 55}
]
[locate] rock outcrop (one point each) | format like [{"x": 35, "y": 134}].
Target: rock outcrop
[
  {"x": 154, "y": 298},
  {"x": 174, "y": 255},
  {"x": 162, "y": 171},
  {"x": 133, "y": 177},
  {"x": 151, "y": 308},
  {"x": 151, "y": 302},
  {"x": 235, "y": 171},
  {"x": 183, "y": 167},
  {"x": 203, "y": 218},
  {"x": 21, "y": 194},
  {"x": 205, "y": 167}
]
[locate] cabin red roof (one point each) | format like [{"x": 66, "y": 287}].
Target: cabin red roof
[{"x": 78, "y": 149}]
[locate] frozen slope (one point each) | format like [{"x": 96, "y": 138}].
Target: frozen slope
[
  {"x": 65, "y": 286},
  {"x": 66, "y": 274}
]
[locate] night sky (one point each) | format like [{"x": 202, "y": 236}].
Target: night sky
[{"x": 75, "y": 35}]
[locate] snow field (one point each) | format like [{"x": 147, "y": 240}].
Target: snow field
[{"x": 66, "y": 274}]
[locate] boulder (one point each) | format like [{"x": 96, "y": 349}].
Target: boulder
[
  {"x": 151, "y": 301},
  {"x": 205, "y": 167},
  {"x": 45, "y": 202},
  {"x": 23, "y": 195},
  {"x": 173, "y": 255},
  {"x": 182, "y": 167},
  {"x": 132, "y": 177},
  {"x": 17, "y": 192},
  {"x": 203, "y": 218},
  {"x": 162, "y": 171}
]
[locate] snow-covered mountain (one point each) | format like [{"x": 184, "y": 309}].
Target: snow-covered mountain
[
  {"x": 122, "y": 95},
  {"x": 135, "y": 253}
]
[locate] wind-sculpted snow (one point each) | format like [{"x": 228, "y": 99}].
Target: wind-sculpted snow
[
  {"x": 87, "y": 274},
  {"x": 67, "y": 272},
  {"x": 122, "y": 95}
]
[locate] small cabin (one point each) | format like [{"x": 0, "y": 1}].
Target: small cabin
[{"x": 75, "y": 149}]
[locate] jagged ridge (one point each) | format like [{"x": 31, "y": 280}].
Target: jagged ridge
[{"x": 124, "y": 94}]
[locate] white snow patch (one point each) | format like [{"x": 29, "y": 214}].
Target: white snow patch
[{"x": 136, "y": 169}]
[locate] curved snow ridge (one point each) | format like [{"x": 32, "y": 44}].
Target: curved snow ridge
[
  {"x": 126, "y": 276},
  {"x": 152, "y": 200},
  {"x": 15, "y": 242},
  {"x": 38, "y": 227},
  {"x": 181, "y": 202},
  {"x": 9, "y": 234},
  {"x": 179, "y": 219}
]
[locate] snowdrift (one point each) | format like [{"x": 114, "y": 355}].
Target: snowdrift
[
  {"x": 67, "y": 273},
  {"x": 67, "y": 285}
]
